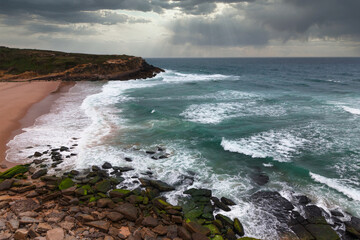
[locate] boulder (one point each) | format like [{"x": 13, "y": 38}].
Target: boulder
[
  {"x": 301, "y": 232},
  {"x": 150, "y": 222},
  {"x": 302, "y": 200},
  {"x": 128, "y": 210},
  {"x": 6, "y": 184},
  {"x": 199, "y": 236},
  {"x": 124, "y": 232},
  {"x": 55, "y": 234},
  {"x": 198, "y": 192},
  {"x": 161, "y": 186},
  {"x": 228, "y": 201},
  {"x": 39, "y": 173},
  {"x": 160, "y": 230},
  {"x": 353, "y": 227},
  {"x": 226, "y": 221},
  {"x": 103, "y": 186},
  {"x": 106, "y": 165},
  {"x": 119, "y": 193},
  {"x": 194, "y": 227},
  {"x": 183, "y": 233},
  {"x": 238, "y": 227},
  {"x": 322, "y": 232},
  {"x": 115, "y": 216},
  {"x": 66, "y": 183},
  {"x": 104, "y": 202},
  {"x": 220, "y": 205},
  {"x": 273, "y": 203}
]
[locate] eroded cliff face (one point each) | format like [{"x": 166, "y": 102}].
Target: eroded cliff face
[
  {"x": 114, "y": 69},
  {"x": 47, "y": 65}
]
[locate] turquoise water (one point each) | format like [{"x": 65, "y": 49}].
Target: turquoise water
[{"x": 225, "y": 121}]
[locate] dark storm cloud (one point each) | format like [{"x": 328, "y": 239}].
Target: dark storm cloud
[
  {"x": 250, "y": 22},
  {"x": 221, "y": 31},
  {"x": 264, "y": 20},
  {"x": 308, "y": 18}
]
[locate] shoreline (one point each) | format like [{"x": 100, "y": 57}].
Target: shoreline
[{"x": 21, "y": 104}]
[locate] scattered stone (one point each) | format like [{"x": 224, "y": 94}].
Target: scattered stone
[
  {"x": 150, "y": 222},
  {"x": 27, "y": 220},
  {"x": 124, "y": 232},
  {"x": 13, "y": 224},
  {"x": 43, "y": 227},
  {"x": 21, "y": 234},
  {"x": 55, "y": 234},
  {"x": 102, "y": 225},
  {"x": 115, "y": 216},
  {"x": 24, "y": 206},
  {"x": 128, "y": 210}
]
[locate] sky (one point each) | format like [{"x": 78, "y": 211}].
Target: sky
[{"x": 185, "y": 28}]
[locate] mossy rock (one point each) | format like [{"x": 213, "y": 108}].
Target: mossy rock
[
  {"x": 66, "y": 183},
  {"x": 217, "y": 237},
  {"x": 81, "y": 192},
  {"x": 238, "y": 227},
  {"x": 19, "y": 169},
  {"x": 193, "y": 214},
  {"x": 146, "y": 201},
  {"x": 160, "y": 203},
  {"x": 226, "y": 221},
  {"x": 213, "y": 229},
  {"x": 102, "y": 195},
  {"x": 94, "y": 180},
  {"x": 119, "y": 193},
  {"x": 94, "y": 199},
  {"x": 103, "y": 186}
]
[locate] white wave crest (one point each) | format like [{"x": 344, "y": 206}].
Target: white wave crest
[
  {"x": 337, "y": 185},
  {"x": 281, "y": 146},
  {"x": 354, "y": 111},
  {"x": 173, "y": 76},
  {"x": 214, "y": 113}
]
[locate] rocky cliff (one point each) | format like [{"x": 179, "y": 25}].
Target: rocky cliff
[{"x": 25, "y": 65}]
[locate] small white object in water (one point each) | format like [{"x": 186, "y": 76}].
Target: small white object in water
[
  {"x": 153, "y": 111},
  {"x": 268, "y": 165}
]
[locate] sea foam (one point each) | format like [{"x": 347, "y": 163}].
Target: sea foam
[{"x": 337, "y": 185}]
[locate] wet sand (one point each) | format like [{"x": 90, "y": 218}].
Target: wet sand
[{"x": 20, "y": 104}]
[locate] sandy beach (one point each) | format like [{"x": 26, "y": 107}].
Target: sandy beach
[{"x": 16, "y": 111}]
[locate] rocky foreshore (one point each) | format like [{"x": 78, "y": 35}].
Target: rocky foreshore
[{"x": 39, "y": 201}]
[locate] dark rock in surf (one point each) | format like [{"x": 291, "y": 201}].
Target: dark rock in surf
[
  {"x": 260, "y": 178},
  {"x": 274, "y": 203},
  {"x": 220, "y": 204},
  {"x": 302, "y": 200},
  {"x": 228, "y": 201},
  {"x": 106, "y": 165},
  {"x": 353, "y": 227}
]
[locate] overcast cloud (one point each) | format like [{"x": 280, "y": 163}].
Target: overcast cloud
[{"x": 186, "y": 27}]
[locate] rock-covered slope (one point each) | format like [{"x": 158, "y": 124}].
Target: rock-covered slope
[{"x": 27, "y": 64}]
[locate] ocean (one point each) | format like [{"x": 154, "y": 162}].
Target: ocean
[{"x": 223, "y": 122}]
